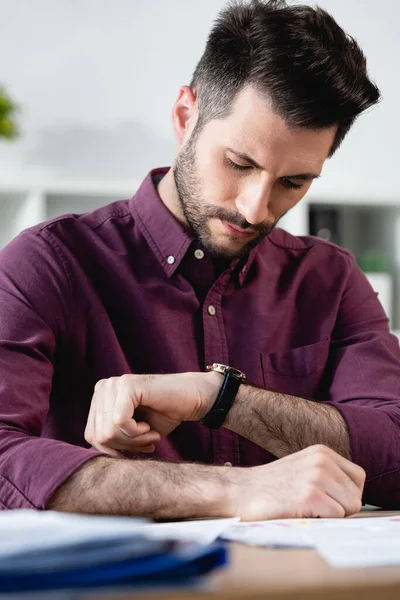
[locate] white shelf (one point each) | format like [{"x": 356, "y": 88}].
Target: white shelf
[
  {"x": 81, "y": 186},
  {"x": 27, "y": 204}
]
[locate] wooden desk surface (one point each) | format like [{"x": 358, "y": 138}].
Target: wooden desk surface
[{"x": 261, "y": 573}]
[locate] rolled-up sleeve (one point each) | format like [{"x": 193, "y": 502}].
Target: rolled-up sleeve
[
  {"x": 35, "y": 299},
  {"x": 365, "y": 388}
]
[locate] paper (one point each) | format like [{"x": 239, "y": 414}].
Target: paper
[
  {"x": 371, "y": 544},
  {"x": 361, "y": 542},
  {"x": 275, "y": 534},
  {"x": 202, "y": 531}
]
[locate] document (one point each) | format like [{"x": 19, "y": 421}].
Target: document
[
  {"x": 356, "y": 544},
  {"x": 360, "y": 542},
  {"x": 273, "y": 534}
]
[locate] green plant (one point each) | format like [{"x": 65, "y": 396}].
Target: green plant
[
  {"x": 8, "y": 111},
  {"x": 373, "y": 262}
]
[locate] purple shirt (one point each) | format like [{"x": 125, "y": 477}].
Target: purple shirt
[{"x": 123, "y": 290}]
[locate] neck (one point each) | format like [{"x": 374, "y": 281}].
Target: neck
[{"x": 169, "y": 195}]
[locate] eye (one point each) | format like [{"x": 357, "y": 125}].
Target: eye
[
  {"x": 288, "y": 183},
  {"x": 236, "y": 166}
]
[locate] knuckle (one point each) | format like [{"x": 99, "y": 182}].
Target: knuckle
[
  {"x": 126, "y": 378},
  {"x": 322, "y": 458},
  {"x": 100, "y": 439},
  {"x": 319, "y": 466},
  {"x": 357, "y": 506},
  {"x": 311, "y": 494},
  {"x": 119, "y": 422},
  {"x": 361, "y": 474},
  {"x": 354, "y": 506},
  {"x": 100, "y": 385},
  {"x": 321, "y": 450},
  {"x": 340, "y": 511},
  {"x": 106, "y": 437}
]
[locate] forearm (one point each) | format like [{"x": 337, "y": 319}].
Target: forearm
[
  {"x": 284, "y": 424},
  {"x": 147, "y": 488}
]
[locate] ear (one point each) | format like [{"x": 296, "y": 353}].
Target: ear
[{"x": 184, "y": 113}]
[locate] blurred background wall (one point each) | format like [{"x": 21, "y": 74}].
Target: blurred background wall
[{"x": 96, "y": 81}]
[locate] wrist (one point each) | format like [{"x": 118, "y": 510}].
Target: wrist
[
  {"x": 212, "y": 382},
  {"x": 235, "y": 482},
  {"x": 238, "y": 407}
]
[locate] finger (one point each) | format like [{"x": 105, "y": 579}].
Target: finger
[
  {"x": 328, "y": 474},
  {"x": 124, "y": 409},
  {"x": 89, "y": 429},
  {"x": 105, "y": 433},
  {"x": 146, "y": 449},
  {"x": 109, "y": 451},
  {"x": 151, "y": 437},
  {"x": 95, "y": 405},
  {"x": 344, "y": 490},
  {"x": 355, "y": 472},
  {"x": 322, "y": 505},
  {"x": 141, "y": 450},
  {"x": 98, "y": 416},
  {"x": 123, "y": 442},
  {"x": 133, "y": 428}
]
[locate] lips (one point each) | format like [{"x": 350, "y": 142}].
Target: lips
[{"x": 237, "y": 231}]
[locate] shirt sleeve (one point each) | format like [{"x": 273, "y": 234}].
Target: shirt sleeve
[
  {"x": 35, "y": 299},
  {"x": 365, "y": 387}
]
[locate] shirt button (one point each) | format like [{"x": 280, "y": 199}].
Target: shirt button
[
  {"x": 228, "y": 464},
  {"x": 199, "y": 254},
  {"x": 171, "y": 260},
  {"x": 211, "y": 310}
]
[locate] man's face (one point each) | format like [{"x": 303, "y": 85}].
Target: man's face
[{"x": 240, "y": 175}]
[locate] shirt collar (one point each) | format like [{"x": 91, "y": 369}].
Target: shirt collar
[
  {"x": 241, "y": 266},
  {"x": 165, "y": 235}
]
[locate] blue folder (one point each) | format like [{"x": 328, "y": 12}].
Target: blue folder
[{"x": 178, "y": 563}]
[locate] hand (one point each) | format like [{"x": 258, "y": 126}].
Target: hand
[
  {"x": 315, "y": 482},
  {"x": 132, "y": 412}
]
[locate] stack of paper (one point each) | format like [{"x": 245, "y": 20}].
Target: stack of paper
[{"x": 47, "y": 550}]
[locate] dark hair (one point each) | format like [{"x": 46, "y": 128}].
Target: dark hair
[{"x": 312, "y": 72}]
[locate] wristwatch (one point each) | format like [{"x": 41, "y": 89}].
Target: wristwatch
[{"x": 226, "y": 395}]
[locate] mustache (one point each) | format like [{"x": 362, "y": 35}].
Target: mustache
[{"x": 215, "y": 212}]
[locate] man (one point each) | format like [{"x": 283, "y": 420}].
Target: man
[{"x": 136, "y": 299}]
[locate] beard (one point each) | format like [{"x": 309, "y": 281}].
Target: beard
[{"x": 197, "y": 211}]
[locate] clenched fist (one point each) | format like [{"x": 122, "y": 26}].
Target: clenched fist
[
  {"x": 132, "y": 412},
  {"x": 315, "y": 482}
]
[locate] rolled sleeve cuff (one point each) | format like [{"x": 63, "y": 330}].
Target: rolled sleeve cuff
[{"x": 39, "y": 466}]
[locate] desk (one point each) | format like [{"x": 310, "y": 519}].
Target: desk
[{"x": 263, "y": 574}]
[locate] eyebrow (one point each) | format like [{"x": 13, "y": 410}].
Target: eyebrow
[{"x": 300, "y": 177}]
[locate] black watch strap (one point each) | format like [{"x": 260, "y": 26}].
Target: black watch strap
[{"x": 226, "y": 396}]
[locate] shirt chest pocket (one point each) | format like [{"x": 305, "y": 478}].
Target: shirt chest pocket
[{"x": 298, "y": 371}]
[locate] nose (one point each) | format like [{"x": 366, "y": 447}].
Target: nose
[{"x": 254, "y": 201}]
